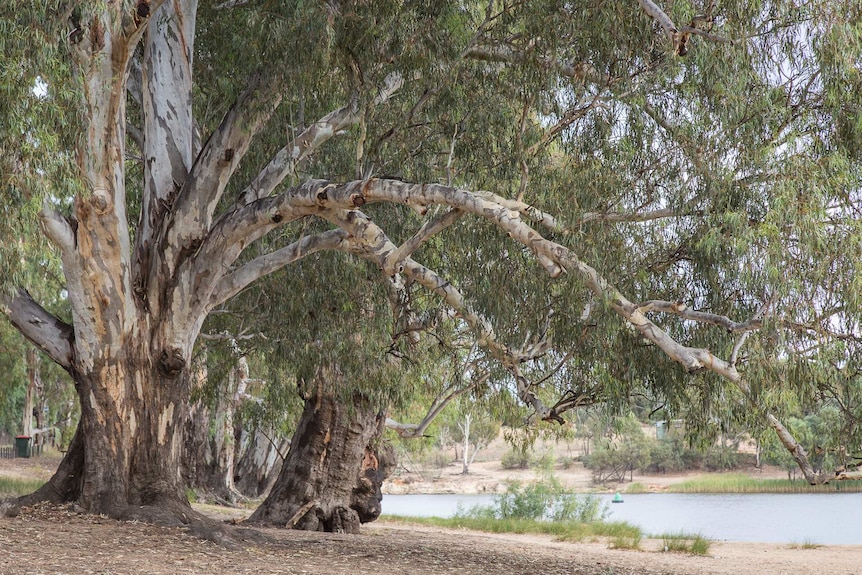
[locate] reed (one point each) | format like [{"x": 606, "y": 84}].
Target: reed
[{"x": 741, "y": 483}]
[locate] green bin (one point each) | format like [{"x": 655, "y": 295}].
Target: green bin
[{"x": 22, "y": 446}]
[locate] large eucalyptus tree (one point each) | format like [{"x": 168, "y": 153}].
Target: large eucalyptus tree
[{"x": 692, "y": 163}]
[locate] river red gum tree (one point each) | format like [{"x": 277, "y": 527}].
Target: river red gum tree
[{"x": 139, "y": 291}]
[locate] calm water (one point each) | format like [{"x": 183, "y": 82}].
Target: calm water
[{"x": 827, "y": 519}]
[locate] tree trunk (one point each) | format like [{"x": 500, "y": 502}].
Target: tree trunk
[
  {"x": 331, "y": 478},
  {"x": 124, "y": 459},
  {"x": 259, "y": 461},
  {"x": 210, "y": 449},
  {"x": 34, "y": 384},
  {"x": 465, "y": 431}
]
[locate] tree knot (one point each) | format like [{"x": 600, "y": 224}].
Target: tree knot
[{"x": 171, "y": 362}]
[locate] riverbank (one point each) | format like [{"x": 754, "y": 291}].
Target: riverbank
[
  {"x": 60, "y": 541},
  {"x": 490, "y": 477}
]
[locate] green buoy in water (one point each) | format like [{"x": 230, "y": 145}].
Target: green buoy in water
[{"x": 617, "y": 498}]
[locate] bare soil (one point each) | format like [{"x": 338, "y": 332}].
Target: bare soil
[{"x": 58, "y": 540}]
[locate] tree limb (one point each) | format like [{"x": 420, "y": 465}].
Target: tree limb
[
  {"x": 47, "y": 332},
  {"x": 199, "y": 195},
  {"x": 428, "y": 230},
  {"x": 680, "y": 309},
  {"x": 310, "y": 140},
  {"x": 238, "y": 279},
  {"x": 416, "y": 430}
]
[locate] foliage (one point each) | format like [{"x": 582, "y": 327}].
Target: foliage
[
  {"x": 541, "y": 500},
  {"x": 565, "y": 531},
  {"x": 515, "y": 459},
  {"x": 682, "y": 543}
]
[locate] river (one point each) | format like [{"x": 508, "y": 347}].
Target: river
[{"x": 821, "y": 518}]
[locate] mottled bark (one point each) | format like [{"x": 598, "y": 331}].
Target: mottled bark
[
  {"x": 259, "y": 460},
  {"x": 210, "y": 446},
  {"x": 331, "y": 478}
]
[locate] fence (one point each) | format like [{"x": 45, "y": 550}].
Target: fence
[{"x": 9, "y": 451}]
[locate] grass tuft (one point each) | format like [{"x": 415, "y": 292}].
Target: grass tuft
[
  {"x": 807, "y": 544},
  {"x": 13, "y": 487},
  {"x": 622, "y": 542},
  {"x": 683, "y": 543}
]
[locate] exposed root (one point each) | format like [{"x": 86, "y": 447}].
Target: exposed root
[{"x": 177, "y": 514}]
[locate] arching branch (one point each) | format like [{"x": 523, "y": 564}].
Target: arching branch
[
  {"x": 416, "y": 430},
  {"x": 240, "y": 278}
]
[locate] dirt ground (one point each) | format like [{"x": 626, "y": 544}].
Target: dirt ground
[{"x": 49, "y": 540}]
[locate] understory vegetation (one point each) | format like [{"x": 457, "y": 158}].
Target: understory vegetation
[
  {"x": 13, "y": 487},
  {"x": 546, "y": 508},
  {"x": 740, "y": 483}
]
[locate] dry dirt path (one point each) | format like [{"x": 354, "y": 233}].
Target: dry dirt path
[{"x": 52, "y": 541}]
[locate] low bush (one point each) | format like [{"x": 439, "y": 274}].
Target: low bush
[
  {"x": 544, "y": 500},
  {"x": 515, "y": 459}
]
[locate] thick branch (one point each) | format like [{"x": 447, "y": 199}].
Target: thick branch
[
  {"x": 310, "y": 140},
  {"x": 241, "y": 277},
  {"x": 165, "y": 86},
  {"x": 693, "y": 359},
  {"x": 378, "y": 247},
  {"x": 796, "y": 451},
  {"x": 663, "y": 20},
  {"x": 203, "y": 188},
  {"x": 45, "y": 330}
]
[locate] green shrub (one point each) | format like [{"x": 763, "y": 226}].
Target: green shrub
[
  {"x": 544, "y": 463},
  {"x": 721, "y": 459},
  {"x": 565, "y": 462},
  {"x": 515, "y": 459},
  {"x": 545, "y": 499}
]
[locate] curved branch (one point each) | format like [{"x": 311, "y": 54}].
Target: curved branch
[
  {"x": 693, "y": 359},
  {"x": 378, "y": 247},
  {"x": 310, "y": 140},
  {"x": 237, "y": 280},
  {"x": 683, "y": 311},
  {"x": 48, "y": 332}
]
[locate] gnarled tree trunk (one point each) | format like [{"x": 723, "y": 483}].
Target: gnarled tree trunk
[
  {"x": 124, "y": 458},
  {"x": 331, "y": 478}
]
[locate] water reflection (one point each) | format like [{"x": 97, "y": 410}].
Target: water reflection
[{"x": 827, "y": 519}]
